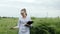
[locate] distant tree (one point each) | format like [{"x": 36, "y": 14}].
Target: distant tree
[
  {"x": 32, "y": 17},
  {"x": 0, "y": 17},
  {"x": 4, "y": 17}
]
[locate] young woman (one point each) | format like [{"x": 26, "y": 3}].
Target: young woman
[{"x": 22, "y": 22}]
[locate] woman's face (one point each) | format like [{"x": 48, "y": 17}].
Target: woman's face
[{"x": 23, "y": 13}]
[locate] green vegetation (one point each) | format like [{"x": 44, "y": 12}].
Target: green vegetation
[{"x": 40, "y": 25}]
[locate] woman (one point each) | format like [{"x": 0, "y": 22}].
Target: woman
[{"x": 22, "y": 22}]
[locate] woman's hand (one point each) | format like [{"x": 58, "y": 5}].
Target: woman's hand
[
  {"x": 14, "y": 27},
  {"x": 27, "y": 25}
]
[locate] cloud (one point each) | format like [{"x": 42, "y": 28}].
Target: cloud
[
  {"x": 43, "y": 4},
  {"x": 28, "y": 1},
  {"x": 36, "y": 7}
]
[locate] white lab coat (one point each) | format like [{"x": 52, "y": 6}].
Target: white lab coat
[{"x": 23, "y": 29}]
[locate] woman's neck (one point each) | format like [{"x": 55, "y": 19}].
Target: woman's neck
[{"x": 24, "y": 17}]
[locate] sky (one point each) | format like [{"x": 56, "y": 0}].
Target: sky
[{"x": 35, "y": 8}]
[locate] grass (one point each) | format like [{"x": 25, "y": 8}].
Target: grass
[{"x": 7, "y": 23}]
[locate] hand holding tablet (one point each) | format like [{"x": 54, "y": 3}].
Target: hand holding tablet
[{"x": 28, "y": 23}]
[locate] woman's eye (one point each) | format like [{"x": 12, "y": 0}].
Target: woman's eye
[{"x": 22, "y": 13}]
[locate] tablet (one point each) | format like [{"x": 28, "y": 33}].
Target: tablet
[{"x": 29, "y": 22}]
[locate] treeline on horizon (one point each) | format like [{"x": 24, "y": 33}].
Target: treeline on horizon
[{"x": 31, "y": 17}]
